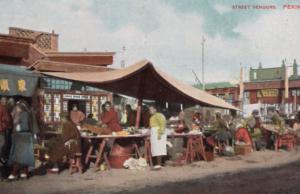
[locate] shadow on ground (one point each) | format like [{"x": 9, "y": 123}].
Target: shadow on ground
[{"x": 283, "y": 179}]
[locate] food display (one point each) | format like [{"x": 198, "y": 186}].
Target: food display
[
  {"x": 132, "y": 130},
  {"x": 122, "y": 133},
  {"x": 96, "y": 129}
]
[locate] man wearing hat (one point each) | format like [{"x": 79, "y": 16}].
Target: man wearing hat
[{"x": 254, "y": 125}]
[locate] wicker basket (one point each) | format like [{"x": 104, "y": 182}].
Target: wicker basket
[{"x": 242, "y": 149}]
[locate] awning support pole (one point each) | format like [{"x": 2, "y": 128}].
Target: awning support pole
[{"x": 138, "y": 113}]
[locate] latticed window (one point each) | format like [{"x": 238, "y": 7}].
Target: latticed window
[{"x": 59, "y": 84}]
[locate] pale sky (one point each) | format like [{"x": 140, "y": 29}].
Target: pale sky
[{"x": 167, "y": 32}]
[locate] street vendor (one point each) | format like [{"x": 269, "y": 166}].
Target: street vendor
[
  {"x": 254, "y": 125},
  {"x": 76, "y": 115},
  {"x": 68, "y": 143},
  {"x": 193, "y": 118},
  {"x": 145, "y": 117},
  {"x": 110, "y": 118},
  {"x": 130, "y": 116},
  {"x": 158, "y": 136},
  {"x": 278, "y": 121},
  {"x": 296, "y": 125},
  {"x": 181, "y": 125},
  {"x": 223, "y": 134}
]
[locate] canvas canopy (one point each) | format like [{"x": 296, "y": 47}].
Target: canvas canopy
[
  {"x": 144, "y": 81},
  {"x": 17, "y": 80}
]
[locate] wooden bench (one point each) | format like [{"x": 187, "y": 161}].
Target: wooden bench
[{"x": 288, "y": 140}]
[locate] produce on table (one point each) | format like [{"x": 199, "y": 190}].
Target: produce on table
[{"x": 96, "y": 129}]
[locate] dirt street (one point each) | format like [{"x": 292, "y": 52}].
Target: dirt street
[{"x": 259, "y": 172}]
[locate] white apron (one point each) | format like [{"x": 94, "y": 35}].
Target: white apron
[{"x": 158, "y": 146}]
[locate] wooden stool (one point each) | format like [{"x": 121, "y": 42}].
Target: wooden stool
[
  {"x": 75, "y": 163},
  {"x": 199, "y": 148},
  {"x": 99, "y": 156}
]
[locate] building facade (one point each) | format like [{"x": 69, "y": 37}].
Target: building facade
[
  {"x": 274, "y": 88},
  {"x": 271, "y": 88},
  {"x": 39, "y": 52},
  {"x": 224, "y": 90}
]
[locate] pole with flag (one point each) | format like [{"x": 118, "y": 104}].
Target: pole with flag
[{"x": 203, "y": 80}]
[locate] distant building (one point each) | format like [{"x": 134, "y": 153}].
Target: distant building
[
  {"x": 266, "y": 86},
  {"x": 224, "y": 90}
]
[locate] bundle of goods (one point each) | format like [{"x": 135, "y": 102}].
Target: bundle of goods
[
  {"x": 135, "y": 164},
  {"x": 96, "y": 129}
]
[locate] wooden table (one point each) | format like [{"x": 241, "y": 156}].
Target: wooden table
[
  {"x": 102, "y": 154},
  {"x": 281, "y": 139}
]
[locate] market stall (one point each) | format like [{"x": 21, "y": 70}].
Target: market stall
[
  {"x": 283, "y": 137},
  {"x": 145, "y": 82}
]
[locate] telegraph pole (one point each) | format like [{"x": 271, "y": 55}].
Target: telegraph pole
[
  {"x": 123, "y": 57},
  {"x": 203, "y": 80}
]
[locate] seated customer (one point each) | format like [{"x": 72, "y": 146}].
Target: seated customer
[
  {"x": 110, "y": 118},
  {"x": 68, "y": 143},
  {"x": 90, "y": 120},
  {"x": 76, "y": 115}
]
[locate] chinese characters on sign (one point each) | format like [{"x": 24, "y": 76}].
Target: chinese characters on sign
[
  {"x": 4, "y": 87},
  {"x": 267, "y": 93},
  {"x": 21, "y": 85}
]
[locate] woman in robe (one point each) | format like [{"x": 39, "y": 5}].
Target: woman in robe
[{"x": 21, "y": 154}]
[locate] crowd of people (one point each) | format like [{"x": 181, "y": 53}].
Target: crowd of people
[
  {"x": 17, "y": 133},
  {"x": 16, "y": 137}
]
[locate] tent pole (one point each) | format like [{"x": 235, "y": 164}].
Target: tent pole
[{"x": 138, "y": 113}]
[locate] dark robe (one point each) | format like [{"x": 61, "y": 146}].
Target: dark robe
[
  {"x": 21, "y": 151},
  {"x": 5, "y": 119},
  {"x": 57, "y": 148},
  {"x": 131, "y": 118},
  {"x": 110, "y": 118},
  {"x": 145, "y": 119}
]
